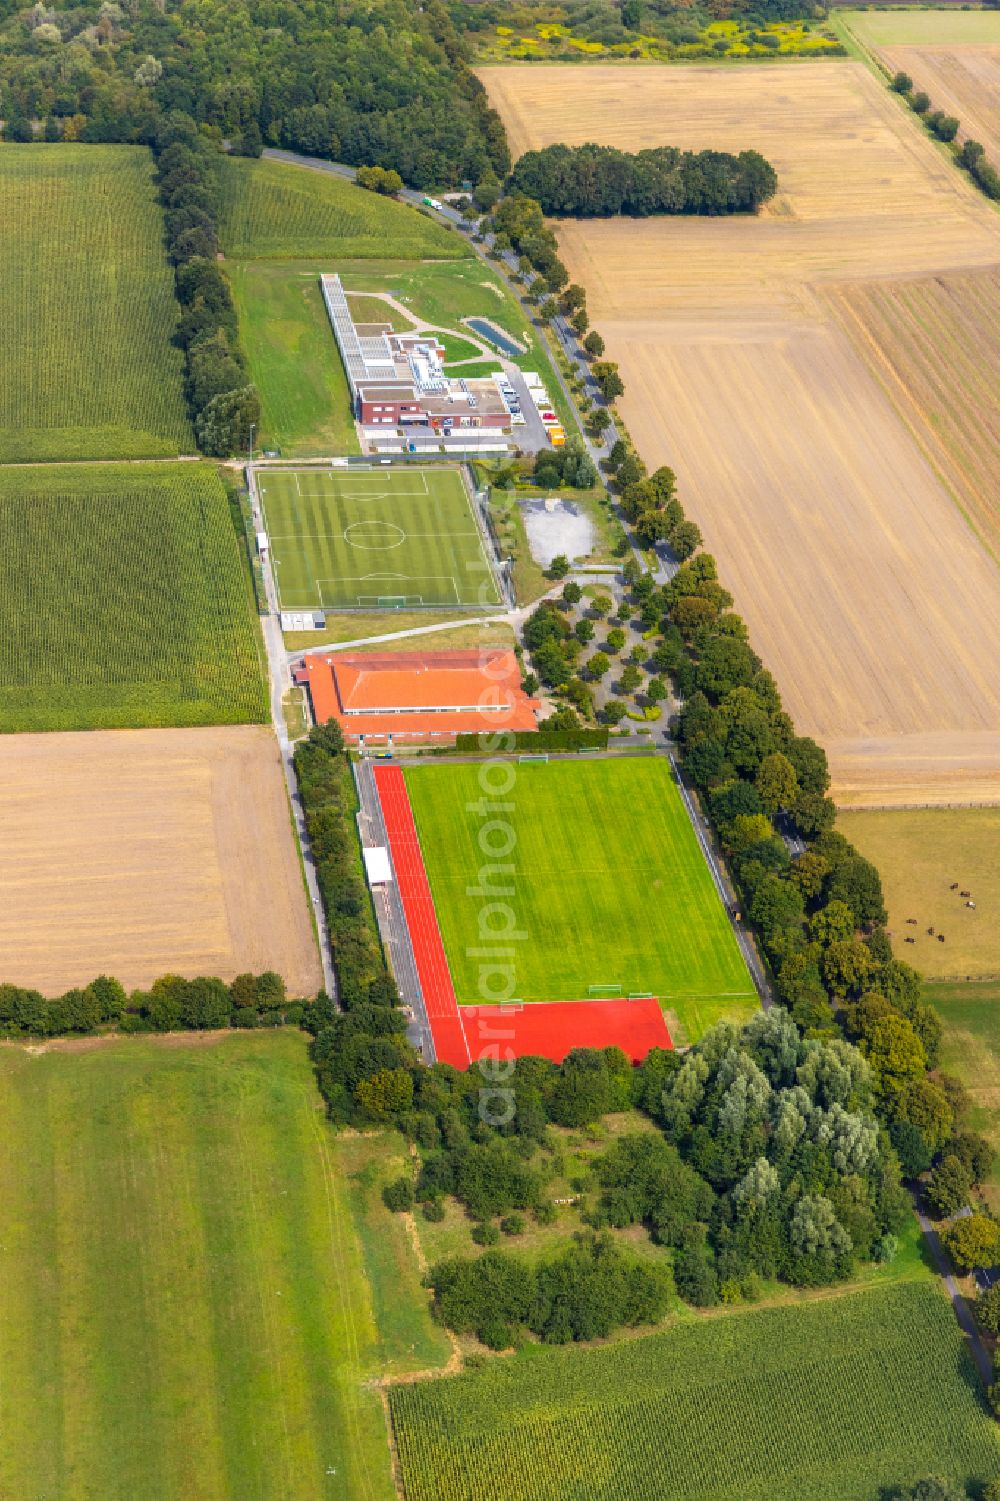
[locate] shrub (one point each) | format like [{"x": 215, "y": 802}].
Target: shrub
[{"x": 398, "y": 1195}]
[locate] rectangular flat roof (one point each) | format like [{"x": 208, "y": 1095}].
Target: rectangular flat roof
[{"x": 377, "y": 866}]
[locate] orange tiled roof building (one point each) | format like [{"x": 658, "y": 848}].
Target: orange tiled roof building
[{"x": 418, "y": 695}]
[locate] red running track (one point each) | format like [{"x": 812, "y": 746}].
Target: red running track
[
  {"x": 438, "y": 991},
  {"x": 551, "y": 1029}
]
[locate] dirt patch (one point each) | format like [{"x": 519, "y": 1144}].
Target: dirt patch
[
  {"x": 866, "y": 592},
  {"x": 142, "y": 852},
  {"x": 933, "y": 343},
  {"x": 554, "y": 527}
]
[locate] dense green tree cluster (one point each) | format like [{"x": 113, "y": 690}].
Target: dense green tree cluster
[
  {"x": 599, "y": 181},
  {"x": 383, "y": 83},
  {"x": 771, "y": 1164},
  {"x": 585, "y": 1292},
  {"x": 518, "y": 223},
  {"x": 569, "y": 466},
  {"x": 651, "y": 505},
  {"x": 171, "y": 1004},
  {"x": 224, "y": 404}
]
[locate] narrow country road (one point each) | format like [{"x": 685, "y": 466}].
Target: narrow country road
[
  {"x": 280, "y": 681},
  {"x": 966, "y": 1322}
]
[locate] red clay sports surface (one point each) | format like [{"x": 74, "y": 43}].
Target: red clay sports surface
[
  {"x": 421, "y": 919},
  {"x": 550, "y": 1029},
  {"x": 547, "y": 1029}
]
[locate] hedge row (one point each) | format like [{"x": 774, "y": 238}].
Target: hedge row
[
  {"x": 171, "y": 1004},
  {"x": 224, "y": 404},
  {"x": 541, "y": 740}
]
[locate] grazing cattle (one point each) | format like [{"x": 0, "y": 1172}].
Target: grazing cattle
[
  {"x": 930, "y": 932},
  {"x": 965, "y": 893},
  {"x": 972, "y": 905},
  {"x": 953, "y": 886},
  {"x": 940, "y": 938},
  {"x": 909, "y": 940},
  {"x": 912, "y": 921}
]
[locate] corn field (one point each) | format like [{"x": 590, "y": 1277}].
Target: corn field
[
  {"x": 124, "y": 601},
  {"x": 826, "y": 1401},
  {"x": 87, "y": 308},
  {"x": 274, "y": 210}
]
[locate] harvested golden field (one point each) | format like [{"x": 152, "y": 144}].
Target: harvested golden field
[
  {"x": 963, "y": 81},
  {"x": 142, "y": 852},
  {"x": 934, "y": 344},
  {"x": 919, "y": 854},
  {"x": 866, "y": 592}
]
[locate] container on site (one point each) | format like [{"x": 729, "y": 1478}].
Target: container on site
[{"x": 557, "y": 436}]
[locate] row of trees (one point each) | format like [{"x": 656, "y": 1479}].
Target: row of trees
[
  {"x": 599, "y": 181},
  {"x": 370, "y": 82},
  {"x": 970, "y": 154},
  {"x": 224, "y": 403},
  {"x": 819, "y": 917},
  {"x": 171, "y": 1004}
]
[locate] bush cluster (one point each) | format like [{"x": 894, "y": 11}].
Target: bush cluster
[
  {"x": 224, "y": 404},
  {"x": 601, "y": 181},
  {"x": 171, "y": 1004},
  {"x": 592, "y": 1288},
  {"x": 570, "y": 467}
]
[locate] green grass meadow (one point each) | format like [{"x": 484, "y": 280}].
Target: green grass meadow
[
  {"x": 87, "y": 308},
  {"x": 610, "y": 886},
  {"x": 274, "y": 210},
  {"x": 834, "y": 1400},
  {"x": 185, "y": 1311},
  {"x": 904, "y": 26},
  {"x": 125, "y": 601},
  {"x": 970, "y": 1049},
  {"x": 293, "y": 359},
  {"x": 346, "y": 539}
]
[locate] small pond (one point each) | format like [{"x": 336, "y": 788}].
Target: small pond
[{"x": 496, "y": 336}]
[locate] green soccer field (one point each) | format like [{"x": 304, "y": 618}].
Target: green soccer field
[
  {"x": 610, "y": 887},
  {"x": 375, "y": 538}
]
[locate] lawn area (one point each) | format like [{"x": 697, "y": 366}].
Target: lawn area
[
  {"x": 125, "y": 601},
  {"x": 919, "y": 854},
  {"x": 275, "y": 210},
  {"x": 441, "y": 294},
  {"x": 970, "y": 1049},
  {"x": 292, "y": 358},
  {"x": 610, "y": 886},
  {"x": 834, "y": 1400},
  {"x": 347, "y": 539},
  {"x": 87, "y": 308},
  {"x": 185, "y": 1310}
]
